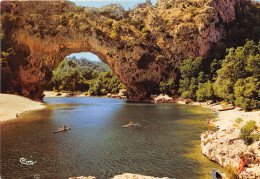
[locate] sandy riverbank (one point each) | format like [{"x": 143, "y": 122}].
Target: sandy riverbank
[
  {"x": 10, "y": 105},
  {"x": 224, "y": 145}
]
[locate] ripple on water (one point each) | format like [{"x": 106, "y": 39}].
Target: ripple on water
[{"x": 98, "y": 146}]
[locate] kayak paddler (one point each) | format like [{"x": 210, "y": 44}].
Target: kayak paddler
[
  {"x": 63, "y": 128},
  {"x": 131, "y": 123}
]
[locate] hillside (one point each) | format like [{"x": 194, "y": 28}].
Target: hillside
[
  {"x": 91, "y": 66},
  {"x": 143, "y": 46},
  {"x": 84, "y": 75}
]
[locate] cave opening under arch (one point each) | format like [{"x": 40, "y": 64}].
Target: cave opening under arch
[{"x": 84, "y": 73}]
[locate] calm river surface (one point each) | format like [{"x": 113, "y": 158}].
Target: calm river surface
[{"x": 167, "y": 144}]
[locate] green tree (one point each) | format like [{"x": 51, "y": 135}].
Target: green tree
[
  {"x": 190, "y": 67},
  {"x": 73, "y": 80},
  {"x": 202, "y": 78},
  {"x": 95, "y": 88},
  {"x": 169, "y": 87},
  {"x": 205, "y": 92},
  {"x": 214, "y": 67},
  {"x": 237, "y": 80},
  {"x": 223, "y": 88},
  {"x": 190, "y": 77},
  {"x": 105, "y": 83},
  {"x": 247, "y": 93},
  {"x": 253, "y": 64}
]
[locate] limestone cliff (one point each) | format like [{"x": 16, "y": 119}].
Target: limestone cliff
[{"x": 143, "y": 46}]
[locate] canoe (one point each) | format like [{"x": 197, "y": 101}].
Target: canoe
[
  {"x": 62, "y": 130},
  {"x": 128, "y": 125},
  {"x": 226, "y": 109},
  {"x": 216, "y": 174}
]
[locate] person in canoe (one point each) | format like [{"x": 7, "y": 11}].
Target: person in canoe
[
  {"x": 131, "y": 123},
  {"x": 63, "y": 128}
]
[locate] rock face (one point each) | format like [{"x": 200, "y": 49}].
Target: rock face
[
  {"x": 142, "y": 46},
  {"x": 121, "y": 95},
  {"x": 225, "y": 147},
  {"x": 123, "y": 176},
  {"x": 163, "y": 99}
]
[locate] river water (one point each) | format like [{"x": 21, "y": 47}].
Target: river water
[{"x": 167, "y": 144}]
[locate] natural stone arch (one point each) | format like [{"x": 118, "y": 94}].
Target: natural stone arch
[
  {"x": 142, "y": 53},
  {"x": 46, "y": 55}
]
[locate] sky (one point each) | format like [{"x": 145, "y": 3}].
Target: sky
[
  {"x": 99, "y": 3},
  {"x": 87, "y": 55}
]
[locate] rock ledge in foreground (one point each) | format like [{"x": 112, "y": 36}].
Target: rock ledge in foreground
[{"x": 123, "y": 176}]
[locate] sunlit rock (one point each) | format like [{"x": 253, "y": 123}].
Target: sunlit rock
[{"x": 143, "y": 46}]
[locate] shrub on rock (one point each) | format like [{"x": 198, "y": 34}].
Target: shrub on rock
[{"x": 246, "y": 132}]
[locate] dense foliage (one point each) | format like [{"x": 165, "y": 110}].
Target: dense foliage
[
  {"x": 168, "y": 87},
  {"x": 84, "y": 75},
  {"x": 105, "y": 83},
  {"x": 192, "y": 78},
  {"x": 238, "y": 79},
  {"x": 235, "y": 79}
]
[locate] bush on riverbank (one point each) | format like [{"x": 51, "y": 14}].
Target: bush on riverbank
[{"x": 246, "y": 132}]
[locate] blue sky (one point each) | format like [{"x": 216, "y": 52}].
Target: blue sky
[
  {"x": 87, "y": 55},
  {"x": 99, "y": 3}
]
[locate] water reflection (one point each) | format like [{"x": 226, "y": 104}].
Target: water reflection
[{"x": 165, "y": 144}]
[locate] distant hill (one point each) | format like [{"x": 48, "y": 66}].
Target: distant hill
[
  {"x": 98, "y": 66},
  {"x": 94, "y": 77}
]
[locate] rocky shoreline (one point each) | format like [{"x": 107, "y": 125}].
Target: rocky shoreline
[
  {"x": 50, "y": 94},
  {"x": 225, "y": 147},
  {"x": 123, "y": 176}
]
